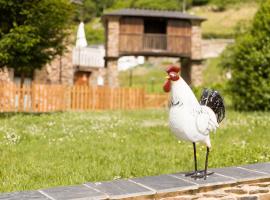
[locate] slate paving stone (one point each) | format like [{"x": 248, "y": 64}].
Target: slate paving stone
[
  {"x": 121, "y": 189},
  {"x": 74, "y": 192},
  {"x": 239, "y": 173},
  {"x": 26, "y": 195},
  {"x": 213, "y": 179},
  {"x": 165, "y": 183},
  {"x": 261, "y": 167}
]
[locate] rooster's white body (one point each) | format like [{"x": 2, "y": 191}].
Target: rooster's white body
[{"x": 188, "y": 119}]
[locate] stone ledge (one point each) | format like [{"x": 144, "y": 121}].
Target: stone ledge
[{"x": 239, "y": 183}]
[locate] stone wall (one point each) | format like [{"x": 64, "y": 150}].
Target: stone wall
[
  {"x": 6, "y": 74},
  {"x": 96, "y": 72},
  {"x": 212, "y": 48},
  {"x": 59, "y": 71},
  {"x": 245, "y": 191}
]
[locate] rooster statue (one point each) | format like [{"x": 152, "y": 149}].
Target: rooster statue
[{"x": 192, "y": 120}]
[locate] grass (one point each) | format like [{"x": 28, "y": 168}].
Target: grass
[
  {"x": 40, "y": 151},
  {"x": 148, "y": 76},
  {"x": 223, "y": 24}
]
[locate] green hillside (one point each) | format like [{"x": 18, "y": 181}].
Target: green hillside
[{"x": 223, "y": 24}]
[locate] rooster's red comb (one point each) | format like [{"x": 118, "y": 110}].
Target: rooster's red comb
[{"x": 173, "y": 68}]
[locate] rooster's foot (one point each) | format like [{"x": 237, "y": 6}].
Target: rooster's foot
[
  {"x": 199, "y": 174},
  {"x": 194, "y": 173}
]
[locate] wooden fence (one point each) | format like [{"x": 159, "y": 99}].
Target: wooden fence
[{"x": 49, "y": 98}]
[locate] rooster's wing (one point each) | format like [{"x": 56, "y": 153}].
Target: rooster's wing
[{"x": 206, "y": 120}]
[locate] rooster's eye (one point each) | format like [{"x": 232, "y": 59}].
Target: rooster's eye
[{"x": 174, "y": 76}]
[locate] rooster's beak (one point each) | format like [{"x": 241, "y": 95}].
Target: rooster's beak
[{"x": 167, "y": 77}]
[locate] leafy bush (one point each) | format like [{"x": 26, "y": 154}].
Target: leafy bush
[
  {"x": 249, "y": 62},
  {"x": 94, "y": 32}
]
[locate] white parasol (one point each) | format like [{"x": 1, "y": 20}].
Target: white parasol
[{"x": 81, "y": 40}]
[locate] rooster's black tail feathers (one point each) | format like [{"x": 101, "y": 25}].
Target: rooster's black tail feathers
[{"x": 213, "y": 99}]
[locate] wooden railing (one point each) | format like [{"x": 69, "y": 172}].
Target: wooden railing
[
  {"x": 155, "y": 43},
  {"x": 50, "y": 98}
]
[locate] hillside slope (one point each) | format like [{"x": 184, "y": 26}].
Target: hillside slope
[{"x": 222, "y": 24}]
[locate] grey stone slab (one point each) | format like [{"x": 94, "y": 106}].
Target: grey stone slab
[
  {"x": 213, "y": 179},
  {"x": 121, "y": 189},
  {"x": 165, "y": 183},
  {"x": 260, "y": 167},
  {"x": 239, "y": 174},
  {"x": 74, "y": 192},
  {"x": 26, "y": 195}
]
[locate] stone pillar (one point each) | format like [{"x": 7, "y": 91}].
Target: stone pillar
[
  {"x": 112, "y": 73},
  {"x": 196, "y": 73},
  {"x": 196, "y": 41},
  {"x": 191, "y": 71},
  {"x": 113, "y": 31},
  {"x": 195, "y": 62},
  {"x": 186, "y": 69},
  {"x": 112, "y": 51}
]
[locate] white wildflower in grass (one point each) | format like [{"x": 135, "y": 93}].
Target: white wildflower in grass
[
  {"x": 12, "y": 138},
  {"x": 50, "y": 123},
  {"x": 114, "y": 135},
  {"x": 116, "y": 177},
  {"x": 243, "y": 144}
]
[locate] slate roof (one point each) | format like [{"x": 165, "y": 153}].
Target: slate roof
[{"x": 153, "y": 13}]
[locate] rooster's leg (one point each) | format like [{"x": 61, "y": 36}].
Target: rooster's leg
[
  {"x": 195, "y": 163},
  {"x": 200, "y": 173},
  {"x": 195, "y": 157},
  {"x": 206, "y": 162},
  {"x": 204, "y": 173}
]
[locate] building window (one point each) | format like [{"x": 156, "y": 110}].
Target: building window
[{"x": 155, "y": 26}]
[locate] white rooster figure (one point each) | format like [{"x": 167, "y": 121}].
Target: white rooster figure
[{"x": 190, "y": 120}]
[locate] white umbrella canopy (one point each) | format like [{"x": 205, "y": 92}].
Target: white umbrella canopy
[{"x": 81, "y": 40}]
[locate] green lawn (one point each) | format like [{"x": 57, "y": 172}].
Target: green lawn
[
  {"x": 148, "y": 76},
  {"x": 38, "y": 151}
]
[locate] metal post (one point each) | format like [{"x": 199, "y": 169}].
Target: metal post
[{"x": 130, "y": 78}]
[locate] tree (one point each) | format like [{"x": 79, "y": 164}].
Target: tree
[
  {"x": 249, "y": 61},
  {"x": 32, "y": 32}
]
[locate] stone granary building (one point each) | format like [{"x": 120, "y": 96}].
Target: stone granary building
[
  {"x": 128, "y": 32},
  {"x": 154, "y": 33}
]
